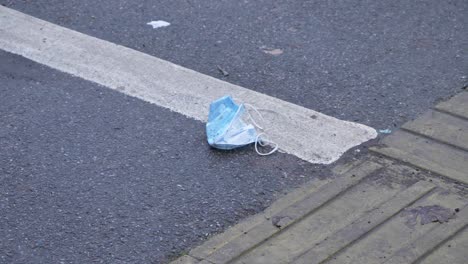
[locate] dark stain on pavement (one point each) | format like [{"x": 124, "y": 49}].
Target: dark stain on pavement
[{"x": 428, "y": 214}]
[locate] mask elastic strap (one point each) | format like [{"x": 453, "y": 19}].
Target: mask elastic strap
[
  {"x": 258, "y": 141},
  {"x": 258, "y": 113},
  {"x": 263, "y": 143}
]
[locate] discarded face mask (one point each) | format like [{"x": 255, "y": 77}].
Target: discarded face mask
[{"x": 228, "y": 126}]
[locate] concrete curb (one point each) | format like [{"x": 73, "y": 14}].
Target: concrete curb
[{"x": 437, "y": 141}]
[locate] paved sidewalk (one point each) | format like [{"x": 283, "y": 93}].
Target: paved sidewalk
[{"x": 405, "y": 202}]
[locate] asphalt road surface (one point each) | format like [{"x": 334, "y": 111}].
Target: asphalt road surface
[
  {"x": 89, "y": 174},
  {"x": 378, "y": 63}
]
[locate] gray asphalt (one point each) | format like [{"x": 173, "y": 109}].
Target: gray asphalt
[
  {"x": 89, "y": 175},
  {"x": 380, "y": 63}
]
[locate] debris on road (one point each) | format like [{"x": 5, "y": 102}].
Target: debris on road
[
  {"x": 222, "y": 71},
  {"x": 281, "y": 221},
  {"x": 385, "y": 131},
  {"x": 158, "y": 24},
  {"x": 271, "y": 51},
  {"x": 231, "y": 126}
]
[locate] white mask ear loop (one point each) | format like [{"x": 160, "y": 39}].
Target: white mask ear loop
[
  {"x": 262, "y": 143},
  {"x": 258, "y": 141},
  {"x": 258, "y": 113}
]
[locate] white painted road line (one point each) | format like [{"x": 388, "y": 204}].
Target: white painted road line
[{"x": 308, "y": 134}]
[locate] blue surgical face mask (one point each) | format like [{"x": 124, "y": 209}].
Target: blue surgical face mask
[
  {"x": 231, "y": 126},
  {"x": 227, "y": 126}
]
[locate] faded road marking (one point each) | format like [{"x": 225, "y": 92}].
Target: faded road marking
[{"x": 305, "y": 133}]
